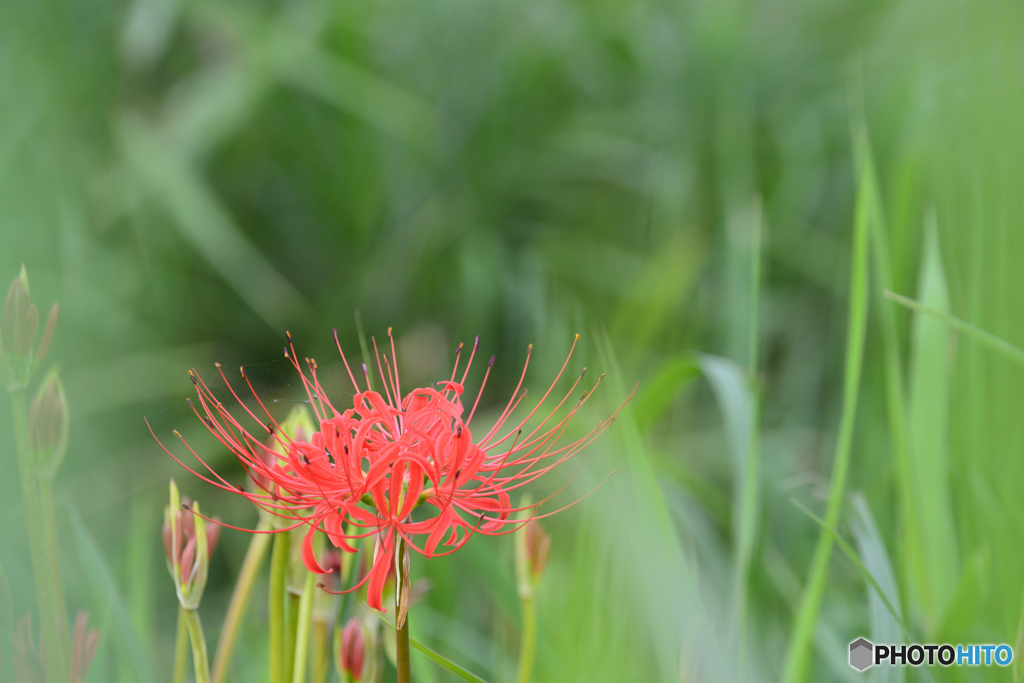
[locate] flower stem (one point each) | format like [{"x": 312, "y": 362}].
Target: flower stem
[
  {"x": 291, "y": 631},
  {"x": 321, "y": 652},
  {"x": 278, "y": 572},
  {"x": 180, "y": 648},
  {"x": 49, "y": 517},
  {"x": 302, "y": 633},
  {"x": 402, "y": 634},
  {"x": 54, "y": 650},
  {"x": 195, "y": 634},
  {"x": 240, "y": 601},
  {"x": 528, "y": 641}
]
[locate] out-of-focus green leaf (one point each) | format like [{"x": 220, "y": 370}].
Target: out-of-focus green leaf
[
  {"x": 931, "y": 544},
  {"x": 657, "y": 394},
  {"x": 206, "y": 225},
  {"x": 997, "y": 344},
  {"x": 885, "y": 627},
  {"x": 106, "y": 593},
  {"x": 798, "y": 655}
]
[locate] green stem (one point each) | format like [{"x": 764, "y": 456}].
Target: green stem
[
  {"x": 321, "y": 652},
  {"x": 180, "y": 649},
  {"x": 240, "y": 601},
  {"x": 54, "y": 649},
  {"x": 528, "y": 642},
  {"x": 49, "y": 515},
  {"x": 278, "y": 573},
  {"x": 195, "y": 634},
  {"x": 302, "y": 634},
  {"x": 290, "y": 635},
  {"x": 7, "y": 628},
  {"x": 402, "y": 662}
]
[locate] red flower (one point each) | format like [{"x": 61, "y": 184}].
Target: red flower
[{"x": 371, "y": 465}]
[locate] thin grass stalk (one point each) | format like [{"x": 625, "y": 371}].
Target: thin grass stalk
[
  {"x": 798, "y": 655},
  {"x": 751, "y": 475},
  {"x": 240, "y": 600},
  {"x": 528, "y": 641},
  {"x": 180, "y": 649},
  {"x": 894, "y": 395},
  {"x": 305, "y": 612},
  {"x": 278, "y": 574},
  {"x": 195, "y": 633},
  {"x": 38, "y": 550},
  {"x": 321, "y": 652}
]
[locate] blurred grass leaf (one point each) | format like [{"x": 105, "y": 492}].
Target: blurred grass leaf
[
  {"x": 798, "y": 654},
  {"x": 206, "y": 225},
  {"x": 657, "y": 394},
  {"x": 931, "y": 544},
  {"x": 885, "y": 625},
  {"x": 1004, "y": 348},
  {"x": 855, "y": 558},
  {"x": 105, "y": 592}
]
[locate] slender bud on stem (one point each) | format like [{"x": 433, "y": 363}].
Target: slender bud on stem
[
  {"x": 189, "y": 542},
  {"x": 18, "y": 326},
  {"x": 49, "y": 422}
]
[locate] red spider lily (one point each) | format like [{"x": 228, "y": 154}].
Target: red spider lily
[{"x": 371, "y": 465}]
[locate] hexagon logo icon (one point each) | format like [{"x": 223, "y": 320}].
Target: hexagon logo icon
[{"x": 861, "y": 651}]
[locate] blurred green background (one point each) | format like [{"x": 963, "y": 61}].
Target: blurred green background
[{"x": 191, "y": 179}]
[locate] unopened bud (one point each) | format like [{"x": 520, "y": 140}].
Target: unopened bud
[
  {"x": 18, "y": 327},
  {"x": 49, "y": 423},
  {"x": 189, "y": 542},
  {"x": 533, "y": 546},
  {"x": 538, "y": 547},
  {"x": 350, "y": 650}
]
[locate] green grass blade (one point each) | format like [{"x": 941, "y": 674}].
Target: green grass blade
[
  {"x": 886, "y": 621},
  {"x": 737, "y": 401},
  {"x": 931, "y": 543},
  {"x": 439, "y": 659},
  {"x": 851, "y": 553},
  {"x": 798, "y": 655},
  {"x": 997, "y": 344},
  {"x": 657, "y": 394},
  {"x": 105, "y": 592}
]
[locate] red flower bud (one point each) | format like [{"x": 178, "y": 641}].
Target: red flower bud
[
  {"x": 352, "y": 651},
  {"x": 538, "y": 547}
]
